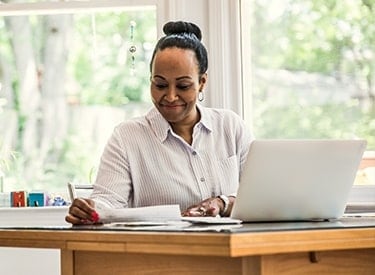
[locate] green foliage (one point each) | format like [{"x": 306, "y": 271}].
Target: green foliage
[
  {"x": 316, "y": 36},
  {"x": 74, "y": 162},
  {"x": 330, "y": 38},
  {"x": 296, "y": 120},
  {"x": 7, "y": 161},
  {"x": 101, "y": 61},
  {"x": 100, "y": 72}
]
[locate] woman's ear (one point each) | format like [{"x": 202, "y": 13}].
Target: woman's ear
[{"x": 202, "y": 81}]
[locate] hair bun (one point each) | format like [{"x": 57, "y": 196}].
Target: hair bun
[{"x": 182, "y": 27}]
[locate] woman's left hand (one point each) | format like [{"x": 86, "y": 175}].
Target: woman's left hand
[{"x": 208, "y": 207}]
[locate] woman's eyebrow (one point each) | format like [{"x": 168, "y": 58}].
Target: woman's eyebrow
[
  {"x": 178, "y": 78},
  {"x": 183, "y": 77},
  {"x": 158, "y": 76}
]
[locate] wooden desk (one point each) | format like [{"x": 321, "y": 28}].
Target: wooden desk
[{"x": 346, "y": 250}]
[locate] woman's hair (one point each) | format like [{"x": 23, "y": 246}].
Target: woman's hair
[{"x": 183, "y": 35}]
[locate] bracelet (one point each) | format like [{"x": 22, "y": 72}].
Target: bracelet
[{"x": 225, "y": 201}]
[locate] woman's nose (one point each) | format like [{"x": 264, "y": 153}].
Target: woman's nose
[{"x": 171, "y": 95}]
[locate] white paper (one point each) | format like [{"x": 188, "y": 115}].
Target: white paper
[
  {"x": 33, "y": 216},
  {"x": 171, "y": 226},
  {"x": 213, "y": 227},
  {"x": 151, "y": 226},
  {"x": 149, "y": 214},
  {"x": 211, "y": 220}
]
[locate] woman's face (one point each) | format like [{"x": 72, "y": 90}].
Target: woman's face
[{"x": 175, "y": 84}]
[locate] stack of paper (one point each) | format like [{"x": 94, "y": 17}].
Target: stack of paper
[{"x": 33, "y": 216}]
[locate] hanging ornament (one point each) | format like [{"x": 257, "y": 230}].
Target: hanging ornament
[{"x": 132, "y": 48}]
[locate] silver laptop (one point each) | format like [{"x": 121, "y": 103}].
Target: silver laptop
[{"x": 292, "y": 180}]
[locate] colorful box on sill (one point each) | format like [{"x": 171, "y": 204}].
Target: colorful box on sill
[
  {"x": 18, "y": 198},
  {"x": 37, "y": 199}
]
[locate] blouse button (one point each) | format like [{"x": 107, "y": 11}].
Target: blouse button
[
  {"x": 194, "y": 153},
  {"x": 202, "y": 179}
]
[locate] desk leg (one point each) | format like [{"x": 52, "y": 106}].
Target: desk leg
[{"x": 67, "y": 262}]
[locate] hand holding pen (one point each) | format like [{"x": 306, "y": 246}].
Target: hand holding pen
[{"x": 82, "y": 211}]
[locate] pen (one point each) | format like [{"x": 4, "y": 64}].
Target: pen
[
  {"x": 72, "y": 192},
  {"x": 73, "y": 195}
]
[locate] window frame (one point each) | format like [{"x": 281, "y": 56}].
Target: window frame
[
  {"x": 230, "y": 58},
  {"x": 61, "y": 7},
  {"x": 72, "y": 7}
]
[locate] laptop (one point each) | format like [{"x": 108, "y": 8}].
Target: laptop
[{"x": 297, "y": 180}]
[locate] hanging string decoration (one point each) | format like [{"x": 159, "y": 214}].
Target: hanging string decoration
[{"x": 132, "y": 48}]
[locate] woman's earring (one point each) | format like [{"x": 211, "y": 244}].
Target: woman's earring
[{"x": 200, "y": 96}]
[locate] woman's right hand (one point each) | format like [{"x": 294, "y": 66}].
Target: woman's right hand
[{"x": 81, "y": 211}]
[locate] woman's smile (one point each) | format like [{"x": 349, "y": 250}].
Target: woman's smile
[{"x": 172, "y": 106}]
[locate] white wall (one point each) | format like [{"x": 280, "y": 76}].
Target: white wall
[{"x": 18, "y": 261}]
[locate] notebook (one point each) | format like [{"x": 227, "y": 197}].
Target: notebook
[{"x": 297, "y": 180}]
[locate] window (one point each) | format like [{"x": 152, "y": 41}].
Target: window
[
  {"x": 69, "y": 72},
  {"x": 311, "y": 71}
]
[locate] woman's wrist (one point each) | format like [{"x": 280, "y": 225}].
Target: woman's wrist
[
  {"x": 224, "y": 205},
  {"x": 225, "y": 209}
]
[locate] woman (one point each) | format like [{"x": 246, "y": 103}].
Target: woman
[{"x": 179, "y": 152}]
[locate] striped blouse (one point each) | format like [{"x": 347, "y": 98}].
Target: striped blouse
[{"x": 145, "y": 163}]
